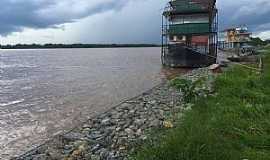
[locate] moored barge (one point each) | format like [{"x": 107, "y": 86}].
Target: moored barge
[{"x": 189, "y": 33}]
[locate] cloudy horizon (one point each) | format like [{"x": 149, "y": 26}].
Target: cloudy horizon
[{"x": 110, "y": 21}]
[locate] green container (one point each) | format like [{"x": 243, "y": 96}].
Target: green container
[{"x": 191, "y": 28}]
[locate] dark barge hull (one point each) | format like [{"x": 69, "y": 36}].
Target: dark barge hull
[{"x": 181, "y": 56}]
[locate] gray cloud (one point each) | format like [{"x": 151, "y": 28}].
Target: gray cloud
[
  {"x": 132, "y": 25},
  {"x": 255, "y": 14},
  {"x": 18, "y": 14}
]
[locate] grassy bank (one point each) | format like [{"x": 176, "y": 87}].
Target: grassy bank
[{"x": 232, "y": 125}]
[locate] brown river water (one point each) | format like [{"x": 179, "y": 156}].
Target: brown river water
[{"x": 47, "y": 92}]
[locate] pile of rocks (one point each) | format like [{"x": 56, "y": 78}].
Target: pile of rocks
[{"x": 114, "y": 134}]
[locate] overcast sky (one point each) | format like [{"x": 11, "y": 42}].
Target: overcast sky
[{"x": 110, "y": 21}]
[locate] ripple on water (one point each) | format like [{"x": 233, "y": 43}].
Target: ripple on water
[
  {"x": 27, "y": 88},
  {"x": 6, "y": 82},
  {"x": 11, "y": 103},
  {"x": 5, "y": 66},
  {"x": 44, "y": 91}
]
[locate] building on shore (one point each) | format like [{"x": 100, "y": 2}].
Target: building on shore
[
  {"x": 233, "y": 38},
  {"x": 189, "y": 33}
]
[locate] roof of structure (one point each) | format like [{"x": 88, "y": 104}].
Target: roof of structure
[{"x": 184, "y": 6}]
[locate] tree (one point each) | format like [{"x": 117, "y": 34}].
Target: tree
[{"x": 257, "y": 42}]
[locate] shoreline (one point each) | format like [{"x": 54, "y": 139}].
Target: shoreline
[
  {"x": 116, "y": 133},
  {"x": 78, "y": 139},
  {"x": 80, "y": 47},
  {"x": 228, "y": 122},
  {"x": 63, "y": 91}
]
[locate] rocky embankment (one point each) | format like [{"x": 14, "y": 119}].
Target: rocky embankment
[{"x": 114, "y": 134}]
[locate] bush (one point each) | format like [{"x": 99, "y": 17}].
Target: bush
[{"x": 191, "y": 90}]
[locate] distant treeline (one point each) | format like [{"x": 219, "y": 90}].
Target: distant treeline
[
  {"x": 48, "y": 46},
  {"x": 258, "y": 42}
]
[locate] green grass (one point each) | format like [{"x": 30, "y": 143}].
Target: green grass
[
  {"x": 267, "y": 47},
  {"x": 234, "y": 125}
]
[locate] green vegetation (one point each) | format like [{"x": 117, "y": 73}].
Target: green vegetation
[
  {"x": 267, "y": 47},
  {"x": 192, "y": 90},
  {"x": 51, "y": 46},
  {"x": 233, "y": 124},
  {"x": 258, "y": 42}
]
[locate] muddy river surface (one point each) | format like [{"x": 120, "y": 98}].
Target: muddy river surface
[{"x": 47, "y": 92}]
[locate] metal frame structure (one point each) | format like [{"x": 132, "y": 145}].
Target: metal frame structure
[{"x": 208, "y": 7}]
